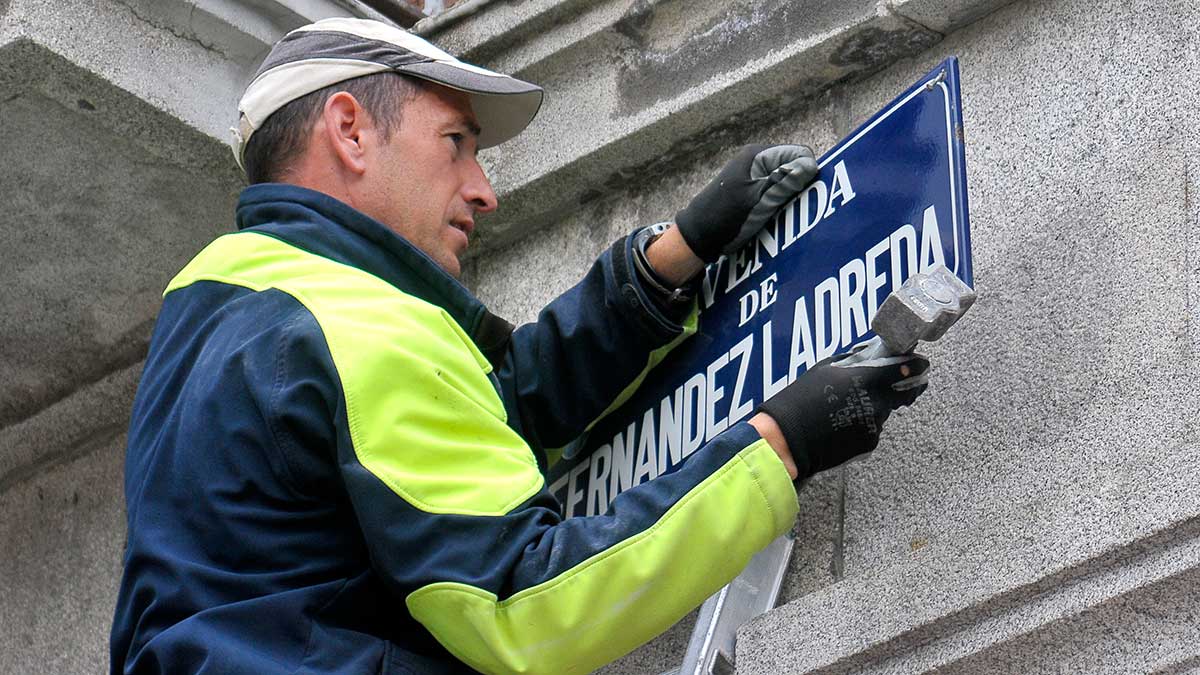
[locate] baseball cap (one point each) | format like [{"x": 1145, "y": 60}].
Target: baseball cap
[{"x": 334, "y": 50}]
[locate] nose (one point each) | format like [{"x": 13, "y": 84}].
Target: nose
[{"x": 477, "y": 189}]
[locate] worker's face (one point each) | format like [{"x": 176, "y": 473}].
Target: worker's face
[{"x": 425, "y": 182}]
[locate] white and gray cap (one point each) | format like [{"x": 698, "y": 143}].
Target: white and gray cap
[{"x": 334, "y": 50}]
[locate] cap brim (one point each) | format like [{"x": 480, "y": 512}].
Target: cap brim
[{"x": 503, "y": 105}]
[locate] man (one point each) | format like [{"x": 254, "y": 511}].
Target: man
[{"x": 337, "y": 455}]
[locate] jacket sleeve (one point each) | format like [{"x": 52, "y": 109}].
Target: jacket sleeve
[
  {"x": 460, "y": 524},
  {"x": 552, "y": 380},
  {"x": 453, "y": 508},
  {"x": 523, "y": 591}
]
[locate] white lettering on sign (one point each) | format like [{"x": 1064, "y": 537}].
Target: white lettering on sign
[
  {"x": 693, "y": 414},
  {"x": 698, "y": 410},
  {"x": 827, "y": 306},
  {"x": 757, "y": 300},
  {"x": 802, "y": 353},
  {"x": 621, "y": 476},
  {"x": 771, "y": 385},
  {"x": 597, "y": 492},
  {"x": 740, "y": 407},
  {"x": 670, "y": 429},
  {"x": 713, "y": 424},
  {"x": 875, "y": 280}
]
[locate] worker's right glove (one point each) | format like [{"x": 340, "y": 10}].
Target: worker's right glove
[
  {"x": 744, "y": 196},
  {"x": 835, "y": 411}
]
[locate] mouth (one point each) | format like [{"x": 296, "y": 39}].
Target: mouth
[{"x": 464, "y": 226}]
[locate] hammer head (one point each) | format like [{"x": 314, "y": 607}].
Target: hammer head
[{"x": 922, "y": 309}]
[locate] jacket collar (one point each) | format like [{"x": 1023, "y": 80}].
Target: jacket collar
[{"x": 327, "y": 227}]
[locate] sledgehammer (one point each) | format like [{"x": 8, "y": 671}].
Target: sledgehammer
[{"x": 921, "y": 310}]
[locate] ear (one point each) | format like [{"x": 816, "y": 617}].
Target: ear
[{"x": 347, "y": 126}]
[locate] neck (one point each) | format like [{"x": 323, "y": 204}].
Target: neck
[{"x": 317, "y": 169}]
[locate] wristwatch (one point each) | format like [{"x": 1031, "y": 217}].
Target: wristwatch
[{"x": 675, "y": 298}]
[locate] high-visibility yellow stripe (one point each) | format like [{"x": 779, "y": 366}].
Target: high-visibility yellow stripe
[
  {"x": 608, "y": 604},
  {"x": 423, "y": 415}
]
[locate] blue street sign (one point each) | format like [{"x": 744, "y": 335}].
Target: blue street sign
[{"x": 890, "y": 200}]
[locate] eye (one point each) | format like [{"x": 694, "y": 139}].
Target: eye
[{"x": 458, "y": 139}]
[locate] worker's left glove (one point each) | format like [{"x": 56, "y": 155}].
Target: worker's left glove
[{"x": 743, "y": 197}]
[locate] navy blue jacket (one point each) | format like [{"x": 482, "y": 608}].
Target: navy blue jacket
[{"x": 336, "y": 464}]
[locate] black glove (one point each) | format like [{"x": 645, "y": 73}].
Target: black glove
[
  {"x": 836, "y": 410},
  {"x": 743, "y": 197}
]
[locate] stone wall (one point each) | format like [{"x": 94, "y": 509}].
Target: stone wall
[{"x": 1036, "y": 512}]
